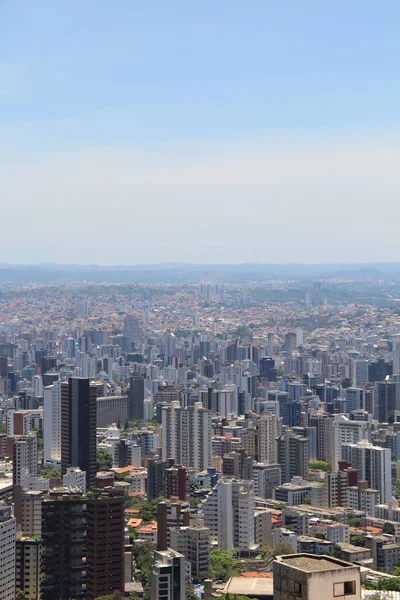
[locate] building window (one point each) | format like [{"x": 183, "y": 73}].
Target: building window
[
  {"x": 297, "y": 589},
  {"x": 349, "y": 588},
  {"x": 338, "y": 589}
]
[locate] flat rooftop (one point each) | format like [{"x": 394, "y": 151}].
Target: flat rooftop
[
  {"x": 250, "y": 586},
  {"x": 310, "y": 563}
]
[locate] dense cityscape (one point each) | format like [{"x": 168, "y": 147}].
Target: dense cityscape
[{"x": 237, "y": 436}]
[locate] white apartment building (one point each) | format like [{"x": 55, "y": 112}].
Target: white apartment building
[
  {"x": 268, "y": 432},
  {"x": 52, "y": 422},
  {"x": 229, "y": 514},
  {"x": 345, "y": 431},
  {"x": 7, "y": 553}
]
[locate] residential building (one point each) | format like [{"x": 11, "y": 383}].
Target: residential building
[
  {"x": 168, "y": 575},
  {"x": 7, "y": 553},
  {"x": 28, "y": 567}
]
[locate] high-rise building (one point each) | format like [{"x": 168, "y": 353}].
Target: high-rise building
[
  {"x": 52, "y": 423},
  {"x": 176, "y": 482},
  {"x": 194, "y": 544},
  {"x": 373, "y": 464},
  {"x": 155, "y": 474},
  {"x": 266, "y": 478},
  {"x": 24, "y": 456},
  {"x": 78, "y": 427},
  {"x": 28, "y": 567},
  {"x": 105, "y": 542},
  {"x": 229, "y": 514},
  {"x": 268, "y": 432},
  {"x": 323, "y": 424},
  {"x": 346, "y": 431},
  {"x": 386, "y": 399},
  {"x": 360, "y": 372},
  {"x": 136, "y": 398},
  {"x": 112, "y": 409},
  {"x": 168, "y": 575},
  {"x": 354, "y": 399},
  {"x": 292, "y": 455},
  {"x": 7, "y": 553},
  {"x": 186, "y": 435},
  {"x": 64, "y": 529}
]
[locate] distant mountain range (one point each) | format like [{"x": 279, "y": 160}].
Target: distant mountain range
[{"x": 192, "y": 273}]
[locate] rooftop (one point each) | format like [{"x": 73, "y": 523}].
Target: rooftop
[{"x": 311, "y": 563}]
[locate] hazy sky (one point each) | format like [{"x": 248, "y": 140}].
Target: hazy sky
[{"x": 199, "y": 131}]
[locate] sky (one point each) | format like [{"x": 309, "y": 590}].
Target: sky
[{"x": 215, "y": 131}]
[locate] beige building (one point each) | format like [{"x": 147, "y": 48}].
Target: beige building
[
  {"x": 27, "y": 567},
  {"x": 312, "y": 577}
]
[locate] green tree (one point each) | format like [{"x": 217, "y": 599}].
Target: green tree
[
  {"x": 48, "y": 472},
  {"x": 356, "y": 522},
  {"x": 320, "y": 465},
  {"x": 388, "y": 528},
  {"x": 104, "y": 460},
  {"x": 358, "y": 540},
  {"x": 282, "y": 548},
  {"x": 222, "y": 565},
  {"x": 142, "y": 554}
]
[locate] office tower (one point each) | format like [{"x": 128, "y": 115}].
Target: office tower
[
  {"x": 168, "y": 575},
  {"x": 155, "y": 473},
  {"x": 105, "y": 542},
  {"x": 373, "y": 464},
  {"x": 290, "y": 342},
  {"x": 229, "y": 514},
  {"x": 78, "y": 427},
  {"x": 136, "y": 398},
  {"x": 112, "y": 409},
  {"x": 52, "y": 423},
  {"x": 378, "y": 370},
  {"x": 289, "y": 410},
  {"x": 28, "y": 558},
  {"x": 132, "y": 329},
  {"x": 24, "y": 456},
  {"x": 267, "y": 368},
  {"x": 7, "y": 553},
  {"x": 346, "y": 431},
  {"x": 176, "y": 482},
  {"x": 323, "y": 424},
  {"x": 354, "y": 399},
  {"x": 64, "y": 529},
  {"x": 3, "y": 366},
  {"x": 186, "y": 435},
  {"x": 268, "y": 432},
  {"x": 194, "y": 544},
  {"x": 386, "y": 399},
  {"x": 292, "y": 455},
  {"x": 311, "y": 577},
  {"x": 266, "y": 478},
  {"x": 360, "y": 372}
]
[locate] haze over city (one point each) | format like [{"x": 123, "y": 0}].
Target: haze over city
[{"x": 199, "y": 131}]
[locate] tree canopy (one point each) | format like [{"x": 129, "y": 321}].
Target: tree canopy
[
  {"x": 104, "y": 460},
  {"x": 320, "y": 465},
  {"x": 222, "y": 565}
]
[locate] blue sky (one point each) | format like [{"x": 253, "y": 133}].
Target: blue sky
[{"x": 223, "y": 131}]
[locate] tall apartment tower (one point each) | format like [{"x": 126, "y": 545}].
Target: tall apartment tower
[
  {"x": 7, "y": 553},
  {"x": 268, "y": 432},
  {"x": 64, "y": 528},
  {"x": 168, "y": 575},
  {"x": 186, "y": 435},
  {"x": 78, "y": 427},
  {"x": 28, "y": 559},
  {"x": 52, "y": 423},
  {"x": 24, "y": 456},
  {"x": 292, "y": 455},
  {"x": 105, "y": 543},
  {"x": 374, "y": 465},
  {"x": 136, "y": 398},
  {"x": 229, "y": 514}
]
